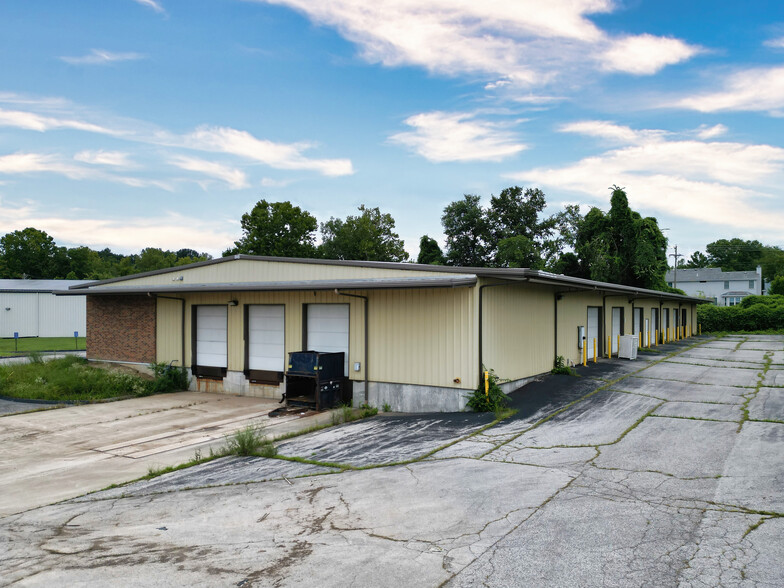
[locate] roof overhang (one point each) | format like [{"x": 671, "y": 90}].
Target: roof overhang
[{"x": 450, "y": 281}]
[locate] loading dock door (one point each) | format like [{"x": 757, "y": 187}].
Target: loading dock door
[
  {"x": 654, "y": 325},
  {"x": 592, "y": 332},
  {"x": 211, "y": 322},
  {"x": 617, "y": 326},
  {"x": 327, "y": 329},
  {"x": 637, "y": 321},
  {"x": 266, "y": 338}
]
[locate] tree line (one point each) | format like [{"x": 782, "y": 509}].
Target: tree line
[{"x": 512, "y": 230}]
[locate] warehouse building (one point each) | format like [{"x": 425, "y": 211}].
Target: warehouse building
[
  {"x": 30, "y": 308},
  {"x": 415, "y": 337}
]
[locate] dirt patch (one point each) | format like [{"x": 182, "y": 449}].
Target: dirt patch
[{"x": 142, "y": 371}]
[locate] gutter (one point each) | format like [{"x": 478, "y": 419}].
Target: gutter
[{"x": 367, "y": 318}]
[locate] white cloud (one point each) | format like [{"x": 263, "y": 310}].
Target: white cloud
[
  {"x": 36, "y": 122},
  {"x": 645, "y": 54},
  {"x": 101, "y": 157},
  {"x": 272, "y": 183},
  {"x": 276, "y": 155},
  {"x": 102, "y": 57},
  {"x": 525, "y": 42},
  {"x": 777, "y": 43},
  {"x": 722, "y": 183},
  {"x": 167, "y": 230},
  {"x": 233, "y": 177},
  {"x": 706, "y": 132},
  {"x": 758, "y": 89},
  {"x": 610, "y": 131},
  {"x": 457, "y": 136},
  {"x": 156, "y": 6}
]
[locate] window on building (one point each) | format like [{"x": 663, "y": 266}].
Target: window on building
[
  {"x": 669, "y": 284},
  {"x": 726, "y": 284},
  {"x": 734, "y": 300},
  {"x": 751, "y": 284}
]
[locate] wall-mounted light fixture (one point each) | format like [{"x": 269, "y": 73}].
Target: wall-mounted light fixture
[{"x": 233, "y": 303}]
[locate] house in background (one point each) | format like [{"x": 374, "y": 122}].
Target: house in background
[
  {"x": 723, "y": 288},
  {"x": 30, "y": 308}
]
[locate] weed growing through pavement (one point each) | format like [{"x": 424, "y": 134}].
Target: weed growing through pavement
[{"x": 250, "y": 441}]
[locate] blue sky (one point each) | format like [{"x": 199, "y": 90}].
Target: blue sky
[{"x": 137, "y": 123}]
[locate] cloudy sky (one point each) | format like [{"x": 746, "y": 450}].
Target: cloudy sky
[{"x": 136, "y": 123}]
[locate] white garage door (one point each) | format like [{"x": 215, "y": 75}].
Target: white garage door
[
  {"x": 593, "y": 332},
  {"x": 266, "y": 338},
  {"x": 211, "y": 336},
  {"x": 328, "y": 329},
  {"x": 616, "y": 328},
  {"x": 637, "y": 321}
]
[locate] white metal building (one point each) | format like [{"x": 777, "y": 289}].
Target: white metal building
[{"x": 29, "y": 308}]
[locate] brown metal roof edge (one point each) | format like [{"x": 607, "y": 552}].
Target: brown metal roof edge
[{"x": 314, "y": 285}]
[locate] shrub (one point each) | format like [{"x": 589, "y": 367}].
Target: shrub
[
  {"x": 760, "y": 313},
  {"x": 168, "y": 378},
  {"x": 367, "y": 411},
  {"x": 250, "y": 441},
  {"x": 560, "y": 367},
  {"x": 491, "y": 401}
]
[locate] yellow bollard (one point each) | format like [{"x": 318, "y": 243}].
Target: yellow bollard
[
  {"x": 619, "y": 343},
  {"x": 649, "y": 339},
  {"x": 585, "y": 352},
  {"x": 609, "y": 346},
  {"x": 487, "y": 384},
  {"x": 639, "y": 336},
  {"x": 594, "y": 350},
  {"x": 656, "y": 338},
  {"x": 699, "y": 328}
]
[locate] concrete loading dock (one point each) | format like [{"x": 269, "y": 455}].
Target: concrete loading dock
[{"x": 416, "y": 337}]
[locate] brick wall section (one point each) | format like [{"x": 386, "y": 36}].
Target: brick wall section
[{"x": 121, "y": 328}]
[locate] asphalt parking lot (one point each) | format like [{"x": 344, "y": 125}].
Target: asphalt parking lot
[{"x": 662, "y": 472}]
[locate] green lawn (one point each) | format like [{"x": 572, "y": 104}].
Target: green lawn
[{"x": 40, "y": 344}]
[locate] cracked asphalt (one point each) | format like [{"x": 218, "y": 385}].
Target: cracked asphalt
[{"x": 667, "y": 471}]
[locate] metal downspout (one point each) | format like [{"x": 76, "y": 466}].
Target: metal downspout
[{"x": 367, "y": 347}]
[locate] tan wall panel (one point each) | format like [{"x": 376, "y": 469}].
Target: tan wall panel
[
  {"x": 518, "y": 330},
  {"x": 245, "y": 270},
  {"x": 168, "y": 331},
  {"x": 573, "y": 312},
  {"x": 423, "y": 336}
]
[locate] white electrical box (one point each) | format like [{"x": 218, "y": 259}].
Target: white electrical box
[
  {"x": 580, "y": 337},
  {"x": 628, "y": 348}
]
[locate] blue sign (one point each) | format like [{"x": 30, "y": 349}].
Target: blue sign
[
  {"x": 76, "y": 333},
  {"x": 16, "y": 335}
]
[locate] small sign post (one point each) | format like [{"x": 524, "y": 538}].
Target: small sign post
[
  {"x": 76, "y": 339},
  {"x": 16, "y": 341}
]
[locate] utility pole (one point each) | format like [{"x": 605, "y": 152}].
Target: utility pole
[{"x": 676, "y": 255}]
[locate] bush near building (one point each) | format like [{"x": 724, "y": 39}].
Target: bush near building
[{"x": 754, "y": 313}]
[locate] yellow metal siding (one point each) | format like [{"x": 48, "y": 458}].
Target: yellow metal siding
[
  {"x": 573, "y": 312},
  {"x": 246, "y": 270},
  {"x": 168, "y": 326},
  {"x": 423, "y": 337},
  {"x": 518, "y": 330}
]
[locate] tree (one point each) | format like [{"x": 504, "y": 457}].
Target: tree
[
  {"x": 467, "y": 232},
  {"x": 429, "y": 252},
  {"x": 277, "y": 229},
  {"x": 368, "y": 236},
  {"x": 776, "y": 286},
  {"x": 621, "y": 246},
  {"x": 519, "y": 251},
  {"x": 697, "y": 260},
  {"x": 31, "y": 253},
  {"x": 772, "y": 262},
  {"x": 734, "y": 255}
]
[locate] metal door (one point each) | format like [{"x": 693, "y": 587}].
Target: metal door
[
  {"x": 328, "y": 328},
  {"x": 211, "y": 327},
  {"x": 266, "y": 337},
  {"x": 592, "y": 332},
  {"x": 617, "y": 322},
  {"x": 654, "y": 325}
]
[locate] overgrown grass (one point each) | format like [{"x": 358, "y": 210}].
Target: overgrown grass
[
  {"x": 250, "y": 441},
  {"x": 72, "y": 379},
  {"x": 28, "y": 344},
  {"x": 491, "y": 400}
]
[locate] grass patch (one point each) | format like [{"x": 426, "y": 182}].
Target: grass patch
[
  {"x": 25, "y": 345},
  {"x": 560, "y": 367},
  {"x": 250, "y": 441},
  {"x": 71, "y": 379}
]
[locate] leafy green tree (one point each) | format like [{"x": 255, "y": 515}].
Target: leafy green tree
[
  {"x": 152, "y": 258},
  {"x": 697, "y": 260},
  {"x": 519, "y": 251},
  {"x": 734, "y": 255},
  {"x": 772, "y": 262},
  {"x": 277, "y": 229},
  {"x": 30, "y": 253},
  {"x": 776, "y": 286},
  {"x": 369, "y": 236},
  {"x": 467, "y": 232},
  {"x": 429, "y": 252},
  {"x": 568, "y": 264},
  {"x": 621, "y": 246},
  {"x": 85, "y": 263}
]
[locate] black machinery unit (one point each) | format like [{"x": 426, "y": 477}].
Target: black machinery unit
[{"x": 316, "y": 380}]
